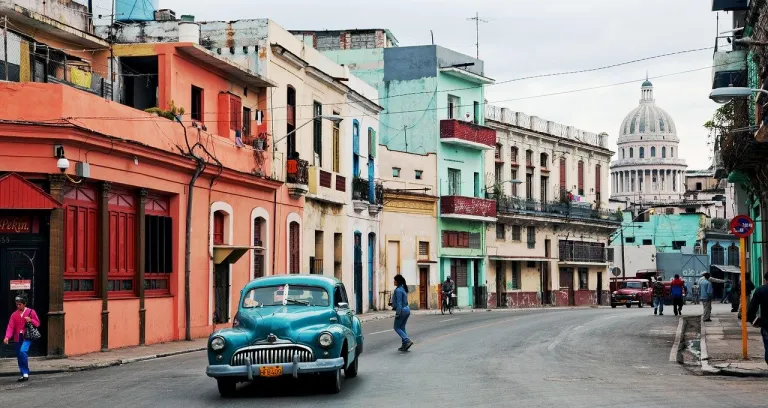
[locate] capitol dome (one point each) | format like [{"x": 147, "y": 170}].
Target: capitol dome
[{"x": 647, "y": 167}]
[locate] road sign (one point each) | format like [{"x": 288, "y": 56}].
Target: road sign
[
  {"x": 742, "y": 226},
  {"x": 616, "y": 271}
]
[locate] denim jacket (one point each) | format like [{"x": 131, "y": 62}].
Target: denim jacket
[{"x": 400, "y": 300}]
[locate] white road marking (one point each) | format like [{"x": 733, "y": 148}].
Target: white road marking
[
  {"x": 577, "y": 328},
  {"x": 553, "y": 345},
  {"x": 448, "y": 320},
  {"x": 379, "y": 332},
  {"x": 676, "y": 344}
]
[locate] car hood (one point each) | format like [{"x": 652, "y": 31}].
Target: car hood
[
  {"x": 627, "y": 291},
  {"x": 288, "y": 322}
]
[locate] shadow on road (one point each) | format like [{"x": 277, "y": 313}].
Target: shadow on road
[{"x": 303, "y": 387}]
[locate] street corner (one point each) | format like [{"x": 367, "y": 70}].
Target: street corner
[{"x": 750, "y": 368}]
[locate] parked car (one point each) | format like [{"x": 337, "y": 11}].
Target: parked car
[
  {"x": 288, "y": 325},
  {"x": 632, "y": 291}
]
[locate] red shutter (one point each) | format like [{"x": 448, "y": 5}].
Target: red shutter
[
  {"x": 80, "y": 241},
  {"x": 122, "y": 242},
  {"x": 597, "y": 178},
  {"x": 235, "y": 112},
  {"x": 294, "y": 247},
  {"x": 562, "y": 173},
  {"x": 581, "y": 177},
  {"x": 218, "y": 228}
]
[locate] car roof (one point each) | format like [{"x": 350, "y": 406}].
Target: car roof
[{"x": 326, "y": 282}]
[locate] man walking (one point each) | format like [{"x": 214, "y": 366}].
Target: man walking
[
  {"x": 658, "y": 297},
  {"x": 678, "y": 292},
  {"x": 695, "y": 293},
  {"x": 706, "y": 294},
  {"x": 760, "y": 301}
]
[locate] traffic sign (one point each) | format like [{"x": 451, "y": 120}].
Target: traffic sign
[
  {"x": 742, "y": 226},
  {"x": 616, "y": 271}
]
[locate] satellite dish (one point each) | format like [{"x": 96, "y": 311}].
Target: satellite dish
[{"x": 616, "y": 272}]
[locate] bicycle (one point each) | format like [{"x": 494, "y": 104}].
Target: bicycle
[{"x": 447, "y": 303}]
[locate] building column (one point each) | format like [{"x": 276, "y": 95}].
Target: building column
[
  {"x": 140, "y": 250},
  {"x": 103, "y": 217},
  {"x": 56, "y": 328}
]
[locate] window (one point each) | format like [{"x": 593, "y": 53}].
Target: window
[
  {"x": 235, "y": 108},
  {"x": 529, "y": 158},
  {"x": 598, "y": 170},
  {"x": 259, "y": 234},
  {"x": 563, "y": 184},
  {"x": 371, "y": 143},
  {"x": 733, "y": 255},
  {"x": 80, "y": 241},
  {"x": 609, "y": 254},
  {"x": 623, "y": 153},
  {"x": 663, "y": 152},
  {"x": 355, "y": 148},
  {"x": 583, "y": 279},
  {"x": 122, "y": 242},
  {"x": 196, "y": 112},
  {"x": 291, "y": 121},
  {"x": 642, "y": 153},
  {"x": 336, "y": 145},
  {"x": 273, "y": 296},
  {"x": 543, "y": 159},
  {"x": 517, "y": 233},
  {"x": 529, "y": 186},
  {"x": 653, "y": 151},
  {"x": 531, "y": 237},
  {"x": 418, "y": 174},
  {"x": 497, "y": 153},
  {"x": 698, "y": 186},
  {"x": 513, "y": 154},
  {"x": 516, "y": 284},
  {"x": 395, "y": 172},
  {"x": 454, "y": 182},
  {"x": 246, "y": 121},
  {"x": 500, "y": 232},
  {"x": 498, "y": 173},
  {"x": 476, "y": 120},
  {"x": 459, "y": 268},
  {"x": 461, "y": 239},
  {"x": 581, "y": 177},
  {"x": 218, "y": 228},
  {"x": 514, "y": 185},
  {"x": 423, "y": 250},
  {"x": 544, "y": 188},
  {"x": 453, "y": 107},
  {"x": 317, "y": 132},
  {"x": 294, "y": 231},
  {"x": 671, "y": 152},
  {"x": 476, "y": 184},
  {"x": 581, "y": 251},
  {"x": 631, "y": 152},
  {"x": 629, "y": 240},
  {"x": 647, "y": 242},
  {"x": 718, "y": 255},
  {"x": 678, "y": 245},
  {"x": 158, "y": 253}
]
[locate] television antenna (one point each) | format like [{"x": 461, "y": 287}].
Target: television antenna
[{"x": 477, "y": 21}]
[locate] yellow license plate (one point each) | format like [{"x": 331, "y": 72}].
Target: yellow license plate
[
  {"x": 271, "y": 371},
  {"x": 622, "y": 301}
]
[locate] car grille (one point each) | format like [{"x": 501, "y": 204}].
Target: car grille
[{"x": 272, "y": 355}]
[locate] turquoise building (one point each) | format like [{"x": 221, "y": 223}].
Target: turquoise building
[{"x": 667, "y": 232}]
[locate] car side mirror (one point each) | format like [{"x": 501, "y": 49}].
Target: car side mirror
[{"x": 342, "y": 305}]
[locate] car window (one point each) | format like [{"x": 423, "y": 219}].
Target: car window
[
  {"x": 297, "y": 295},
  {"x": 337, "y": 296},
  {"x": 344, "y": 293}
]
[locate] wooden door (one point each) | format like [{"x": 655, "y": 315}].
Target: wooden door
[
  {"x": 501, "y": 284},
  {"x": 566, "y": 282},
  {"x": 423, "y": 287}
]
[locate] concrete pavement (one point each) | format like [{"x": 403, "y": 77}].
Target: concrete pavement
[
  {"x": 722, "y": 348},
  {"x": 531, "y": 358}
]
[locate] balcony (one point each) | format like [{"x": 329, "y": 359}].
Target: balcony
[
  {"x": 361, "y": 195},
  {"x": 576, "y": 252},
  {"x": 297, "y": 171},
  {"x": 468, "y": 208},
  {"x": 467, "y": 134},
  {"x": 556, "y": 210}
]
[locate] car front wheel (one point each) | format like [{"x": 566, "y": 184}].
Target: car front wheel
[
  {"x": 351, "y": 371},
  {"x": 333, "y": 382},
  {"x": 227, "y": 388},
  {"x": 613, "y": 305},
  {"x": 629, "y": 305}
]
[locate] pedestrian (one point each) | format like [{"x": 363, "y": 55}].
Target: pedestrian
[
  {"x": 695, "y": 293},
  {"x": 658, "y": 297},
  {"x": 760, "y": 301},
  {"x": 678, "y": 291},
  {"x": 18, "y": 328},
  {"x": 705, "y": 295},
  {"x": 402, "y": 311},
  {"x": 726, "y": 291},
  {"x": 750, "y": 288}
]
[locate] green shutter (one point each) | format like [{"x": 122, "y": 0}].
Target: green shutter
[{"x": 371, "y": 142}]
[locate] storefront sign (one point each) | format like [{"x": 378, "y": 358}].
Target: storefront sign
[
  {"x": 15, "y": 225},
  {"x": 21, "y": 284}
]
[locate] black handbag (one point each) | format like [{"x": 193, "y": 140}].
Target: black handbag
[{"x": 31, "y": 332}]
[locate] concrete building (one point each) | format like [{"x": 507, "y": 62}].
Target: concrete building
[
  {"x": 547, "y": 248},
  {"x": 648, "y": 168}
]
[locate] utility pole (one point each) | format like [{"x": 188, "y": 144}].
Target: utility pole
[
  {"x": 477, "y": 21},
  {"x": 623, "y": 262}
]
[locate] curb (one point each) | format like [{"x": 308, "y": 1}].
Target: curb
[
  {"x": 707, "y": 368},
  {"x": 105, "y": 364},
  {"x": 390, "y": 313}
]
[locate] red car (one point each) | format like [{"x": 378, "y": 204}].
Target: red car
[{"x": 631, "y": 291}]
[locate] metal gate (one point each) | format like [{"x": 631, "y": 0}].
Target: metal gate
[{"x": 221, "y": 293}]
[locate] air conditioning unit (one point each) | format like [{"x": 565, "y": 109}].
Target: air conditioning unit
[{"x": 729, "y": 5}]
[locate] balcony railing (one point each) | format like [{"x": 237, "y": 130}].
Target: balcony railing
[
  {"x": 574, "y": 251},
  {"x": 558, "y": 209},
  {"x": 719, "y": 225},
  {"x": 467, "y": 207},
  {"x": 361, "y": 190},
  {"x": 298, "y": 171},
  {"x": 467, "y": 134}
]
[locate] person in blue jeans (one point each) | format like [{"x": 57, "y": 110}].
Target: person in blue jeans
[
  {"x": 402, "y": 311},
  {"x": 760, "y": 301}
]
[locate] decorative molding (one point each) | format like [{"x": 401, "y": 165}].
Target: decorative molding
[
  {"x": 289, "y": 57},
  {"x": 327, "y": 79}
]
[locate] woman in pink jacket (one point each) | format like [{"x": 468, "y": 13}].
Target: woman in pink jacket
[{"x": 15, "y": 331}]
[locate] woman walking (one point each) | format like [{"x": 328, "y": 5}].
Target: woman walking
[
  {"x": 402, "y": 311},
  {"x": 17, "y": 331}
]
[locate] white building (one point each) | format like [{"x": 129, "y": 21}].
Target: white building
[{"x": 648, "y": 168}]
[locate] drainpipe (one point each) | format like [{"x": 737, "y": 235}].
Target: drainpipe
[
  {"x": 188, "y": 251},
  {"x": 274, "y": 230}
]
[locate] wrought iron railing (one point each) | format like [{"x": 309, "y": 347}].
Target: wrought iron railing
[
  {"x": 570, "y": 210},
  {"x": 361, "y": 190},
  {"x": 298, "y": 171}
]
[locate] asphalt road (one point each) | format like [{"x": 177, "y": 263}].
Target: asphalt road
[{"x": 539, "y": 358}]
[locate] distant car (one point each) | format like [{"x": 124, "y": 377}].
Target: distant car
[
  {"x": 632, "y": 291},
  {"x": 288, "y": 325}
]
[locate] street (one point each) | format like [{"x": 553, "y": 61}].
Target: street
[{"x": 533, "y": 358}]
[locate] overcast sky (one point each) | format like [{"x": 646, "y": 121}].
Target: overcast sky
[{"x": 525, "y": 37}]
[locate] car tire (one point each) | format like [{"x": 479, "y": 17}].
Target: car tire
[
  {"x": 351, "y": 371},
  {"x": 333, "y": 382},
  {"x": 227, "y": 387},
  {"x": 629, "y": 305},
  {"x": 613, "y": 305}
]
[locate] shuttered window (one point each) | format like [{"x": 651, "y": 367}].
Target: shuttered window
[
  {"x": 80, "y": 242},
  {"x": 158, "y": 245},
  {"x": 294, "y": 249},
  {"x": 218, "y": 228},
  {"x": 122, "y": 243},
  {"x": 581, "y": 178},
  {"x": 459, "y": 272},
  {"x": 235, "y": 110},
  {"x": 258, "y": 240},
  {"x": 563, "y": 185}
]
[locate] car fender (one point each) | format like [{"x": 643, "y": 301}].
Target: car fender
[{"x": 357, "y": 330}]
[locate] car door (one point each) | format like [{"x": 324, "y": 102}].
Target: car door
[{"x": 346, "y": 316}]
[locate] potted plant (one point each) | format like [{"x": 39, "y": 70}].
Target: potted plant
[
  {"x": 173, "y": 113},
  {"x": 260, "y": 141}
]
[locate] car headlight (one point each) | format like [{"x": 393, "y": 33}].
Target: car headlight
[
  {"x": 217, "y": 344},
  {"x": 614, "y": 293},
  {"x": 325, "y": 339}
]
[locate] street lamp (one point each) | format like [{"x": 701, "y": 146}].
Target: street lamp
[
  {"x": 726, "y": 94},
  {"x": 332, "y": 118}
]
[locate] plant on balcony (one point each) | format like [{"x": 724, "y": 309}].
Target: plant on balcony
[
  {"x": 172, "y": 113},
  {"x": 260, "y": 142},
  {"x": 360, "y": 189}
]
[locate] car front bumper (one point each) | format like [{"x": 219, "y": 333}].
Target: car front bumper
[{"x": 295, "y": 368}]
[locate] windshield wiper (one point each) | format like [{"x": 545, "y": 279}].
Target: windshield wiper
[{"x": 301, "y": 302}]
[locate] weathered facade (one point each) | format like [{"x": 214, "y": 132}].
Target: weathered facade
[{"x": 547, "y": 248}]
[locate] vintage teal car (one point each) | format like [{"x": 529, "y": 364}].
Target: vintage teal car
[{"x": 288, "y": 325}]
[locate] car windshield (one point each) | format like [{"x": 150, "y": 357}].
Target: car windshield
[
  {"x": 275, "y": 295},
  {"x": 632, "y": 285}
]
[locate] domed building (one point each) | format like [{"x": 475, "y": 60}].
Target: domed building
[{"x": 647, "y": 168}]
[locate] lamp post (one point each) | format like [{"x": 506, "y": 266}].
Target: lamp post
[{"x": 727, "y": 94}]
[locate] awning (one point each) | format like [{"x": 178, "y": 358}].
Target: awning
[
  {"x": 230, "y": 253},
  {"x": 727, "y": 269},
  {"x": 18, "y": 193}
]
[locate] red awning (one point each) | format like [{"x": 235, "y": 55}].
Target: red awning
[{"x": 17, "y": 193}]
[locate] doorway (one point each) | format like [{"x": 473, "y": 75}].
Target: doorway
[
  {"x": 358, "y": 269},
  {"x": 221, "y": 293},
  {"x": 501, "y": 284},
  {"x": 599, "y": 288},
  {"x": 566, "y": 282},
  {"x": 423, "y": 287},
  {"x": 371, "y": 263}
]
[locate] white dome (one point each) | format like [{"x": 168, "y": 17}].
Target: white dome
[{"x": 648, "y": 119}]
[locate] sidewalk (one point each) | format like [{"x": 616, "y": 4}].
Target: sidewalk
[
  {"x": 43, "y": 365},
  {"x": 721, "y": 346}
]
